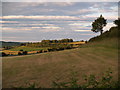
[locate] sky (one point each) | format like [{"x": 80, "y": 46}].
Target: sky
[{"x": 36, "y": 21}]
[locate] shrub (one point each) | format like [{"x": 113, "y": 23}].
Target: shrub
[
  {"x": 4, "y": 54},
  {"x": 20, "y": 53},
  {"x": 40, "y": 51},
  {"x": 49, "y": 50},
  {"x": 21, "y": 49},
  {"x": 25, "y": 52}
]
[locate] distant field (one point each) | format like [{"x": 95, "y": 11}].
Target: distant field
[
  {"x": 77, "y": 42},
  {"x": 26, "y": 48},
  {"x": 31, "y": 50},
  {"x": 45, "y": 67}
]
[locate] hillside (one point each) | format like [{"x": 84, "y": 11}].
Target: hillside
[
  {"x": 112, "y": 33},
  {"x": 43, "y": 68},
  {"x": 4, "y": 44},
  {"x": 108, "y": 39}
]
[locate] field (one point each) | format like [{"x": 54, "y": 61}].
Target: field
[
  {"x": 43, "y": 68},
  {"x": 26, "y": 48},
  {"x": 33, "y": 50}
]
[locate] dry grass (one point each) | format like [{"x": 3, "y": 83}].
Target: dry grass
[
  {"x": 43, "y": 68},
  {"x": 77, "y": 42}
]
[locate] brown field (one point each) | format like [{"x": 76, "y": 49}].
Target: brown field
[
  {"x": 16, "y": 52},
  {"x": 43, "y": 68},
  {"x": 77, "y": 42}
]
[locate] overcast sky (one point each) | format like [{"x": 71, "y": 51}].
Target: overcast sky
[{"x": 25, "y": 21}]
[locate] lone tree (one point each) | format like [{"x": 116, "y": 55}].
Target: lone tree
[{"x": 98, "y": 24}]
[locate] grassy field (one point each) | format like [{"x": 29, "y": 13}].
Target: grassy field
[
  {"x": 24, "y": 48},
  {"x": 43, "y": 68}
]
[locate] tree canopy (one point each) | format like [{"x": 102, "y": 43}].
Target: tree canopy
[
  {"x": 117, "y": 22},
  {"x": 98, "y": 24}
]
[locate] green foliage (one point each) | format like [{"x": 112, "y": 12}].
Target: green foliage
[
  {"x": 117, "y": 22},
  {"x": 98, "y": 24},
  {"x": 57, "y": 41}
]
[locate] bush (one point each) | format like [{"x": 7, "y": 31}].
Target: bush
[
  {"x": 20, "y": 53},
  {"x": 40, "y": 51},
  {"x": 25, "y": 52},
  {"x": 21, "y": 50},
  {"x": 4, "y": 54},
  {"x": 49, "y": 50}
]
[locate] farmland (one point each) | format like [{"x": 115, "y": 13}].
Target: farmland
[{"x": 33, "y": 49}]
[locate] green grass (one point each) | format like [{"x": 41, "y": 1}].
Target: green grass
[{"x": 25, "y": 48}]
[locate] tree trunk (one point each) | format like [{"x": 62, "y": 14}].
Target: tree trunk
[{"x": 101, "y": 32}]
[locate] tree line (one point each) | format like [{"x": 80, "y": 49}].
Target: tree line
[{"x": 48, "y": 43}]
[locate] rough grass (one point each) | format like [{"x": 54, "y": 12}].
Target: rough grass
[{"x": 43, "y": 68}]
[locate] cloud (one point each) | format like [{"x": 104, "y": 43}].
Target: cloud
[
  {"x": 47, "y": 27},
  {"x": 82, "y": 30},
  {"x": 108, "y": 26},
  {"x": 40, "y": 17},
  {"x": 8, "y": 21},
  {"x": 95, "y": 16},
  {"x": 14, "y": 29},
  {"x": 76, "y": 24},
  {"x": 23, "y": 25},
  {"x": 41, "y": 29},
  {"x": 88, "y": 34},
  {"x": 64, "y": 3},
  {"x": 60, "y": 1}
]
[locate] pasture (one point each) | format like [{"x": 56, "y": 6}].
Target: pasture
[{"x": 43, "y": 68}]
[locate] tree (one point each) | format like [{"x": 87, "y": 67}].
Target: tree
[
  {"x": 25, "y": 52},
  {"x": 98, "y": 24},
  {"x": 117, "y": 22}
]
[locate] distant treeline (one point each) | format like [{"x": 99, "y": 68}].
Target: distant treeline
[
  {"x": 9, "y": 44},
  {"x": 57, "y": 41},
  {"x": 48, "y": 43}
]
